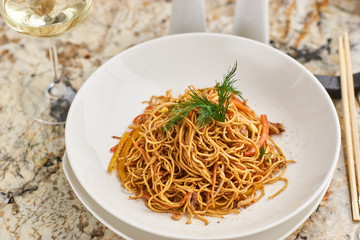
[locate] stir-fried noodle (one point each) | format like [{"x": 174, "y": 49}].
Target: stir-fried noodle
[{"x": 208, "y": 170}]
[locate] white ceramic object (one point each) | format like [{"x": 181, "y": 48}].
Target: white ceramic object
[
  {"x": 252, "y": 19},
  {"x": 273, "y": 82},
  {"x": 130, "y": 232},
  {"x": 187, "y": 16}
]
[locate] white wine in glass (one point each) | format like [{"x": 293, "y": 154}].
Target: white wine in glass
[{"x": 47, "y": 100}]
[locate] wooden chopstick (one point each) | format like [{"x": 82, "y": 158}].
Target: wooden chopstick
[
  {"x": 350, "y": 124},
  {"x": 354, "y": 123}
]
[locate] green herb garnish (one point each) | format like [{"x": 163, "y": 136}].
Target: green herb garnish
[
  {"x": 207, "y": 109},
  {"x": 263, "y": 152}
]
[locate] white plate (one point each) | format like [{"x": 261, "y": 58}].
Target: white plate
[
  {"x": 273, "y": 82},
  {"x": 129, "y": 232}
]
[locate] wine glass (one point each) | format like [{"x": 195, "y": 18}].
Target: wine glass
[{"x": 46, "y": 100}]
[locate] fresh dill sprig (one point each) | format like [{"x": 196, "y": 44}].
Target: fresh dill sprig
[
  {"x": 228, "y": 83},
  {"x": 263, "y": 152},
  {"x": 182, "y": 109},
  {"x": 207, "y": 109}
]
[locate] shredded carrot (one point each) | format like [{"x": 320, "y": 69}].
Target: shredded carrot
[
  {"x": 140, "y": 150},
  {"x": 250, "y": 152},
  {"x": 124, "y": 153},
  {"x": 126, "y": 149},
  {"x": 264, "y": 134},
  {"x": 242, "y": 106},
  {"x": 231, "y": 135},
  {"x": 113, "y": 148},
  {"x": 138, "y": 117},
  {"x": 265, "y": 131},
  {"x": 239, "y": 166},
  {"x": 116, "y": 154}
]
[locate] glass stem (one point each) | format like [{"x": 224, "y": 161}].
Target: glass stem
[{"x": 54, "y": 60}]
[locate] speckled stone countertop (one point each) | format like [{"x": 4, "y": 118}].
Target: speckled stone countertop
[{"x": 36, "y": 201}]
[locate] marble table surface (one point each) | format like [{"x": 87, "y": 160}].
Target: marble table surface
[{"x": 36, "y": 201}]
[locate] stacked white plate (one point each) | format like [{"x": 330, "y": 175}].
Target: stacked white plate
[
  {"x": 128, "y": 231},
  {"x": 274, "y": 84}
]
